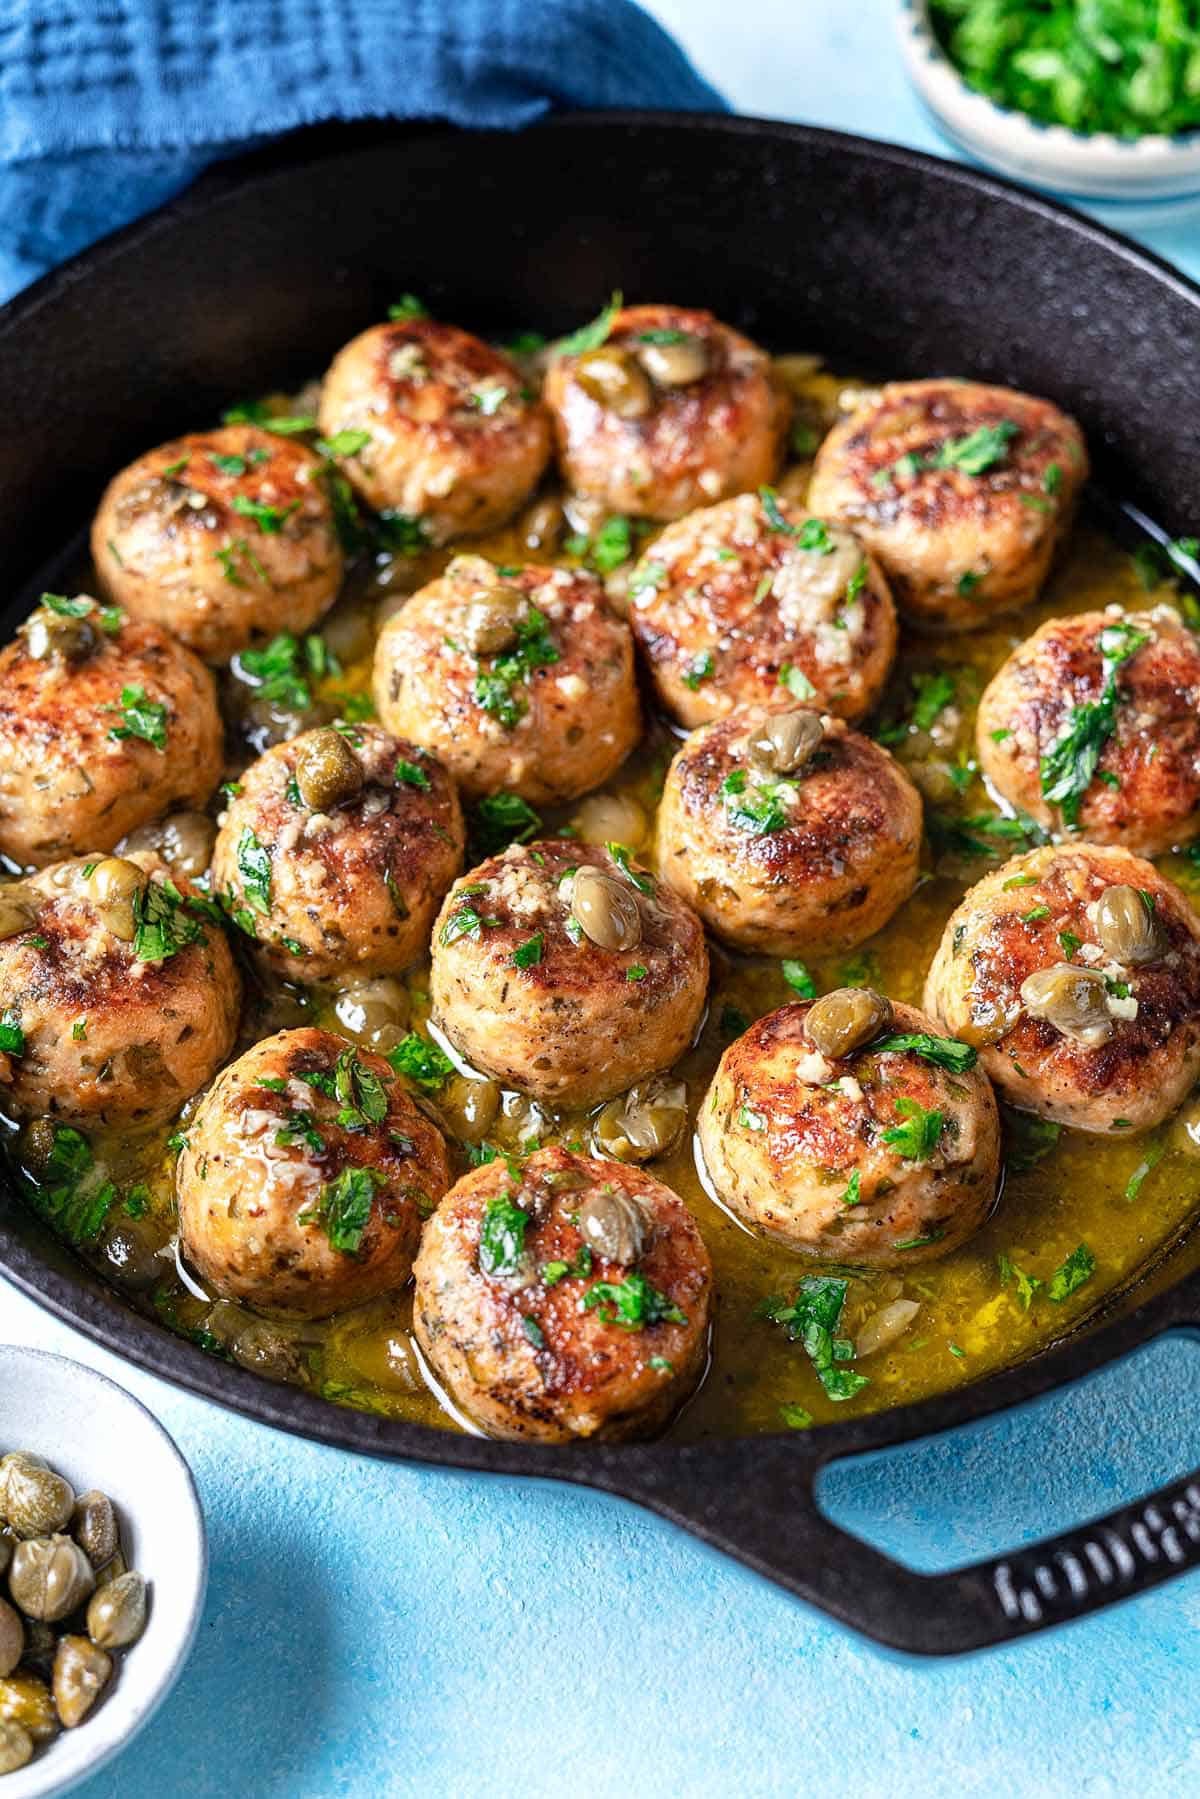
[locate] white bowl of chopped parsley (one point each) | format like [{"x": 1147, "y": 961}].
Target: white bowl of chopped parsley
[{"x": 1092, "y": 98}]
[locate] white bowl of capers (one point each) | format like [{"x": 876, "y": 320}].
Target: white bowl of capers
[{"x": 103, "y": 1567}]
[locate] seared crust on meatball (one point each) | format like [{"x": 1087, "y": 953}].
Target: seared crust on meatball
[
  {"x": 305, "y": 1175},
  {"x": 662, "y": 445},
  {"x": 809, "y": 861},
  {"x": 1040, "y": 912},
  {"x": 1144, "y": 793},
  {"x": 78, "y": 768},
  {"x": 527, "y": 995},
  {"x": 520, "y": 679},
  {"x": 745, "y": 602},
  {"x": 353, "y": 884},
  {"x": 117, "y": 1028},
  {"x": 222, "y": 537},
  {"x": 880, "y": 1156},
  {"x": 962, "y": 491},
  {"x": 537, "y": 1333},
  {"x": 455, "y": 438}
]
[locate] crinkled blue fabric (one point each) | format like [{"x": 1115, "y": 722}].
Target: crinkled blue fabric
[{"x": 107, "y": 107}]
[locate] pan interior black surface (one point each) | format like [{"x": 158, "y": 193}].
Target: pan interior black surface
[{"x": 878, "y": 257}]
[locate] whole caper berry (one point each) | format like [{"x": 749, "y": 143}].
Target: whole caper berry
[
  {"x": 492, "y": 620},
  {"x": 676, "y": 364},
  {"x": 613, "y": 1224},
  {"x": 54, "y": 634},
  {"x": 328, "y": 773},
  {"x": 373, "y": 1009},
  {"x": 606, "y": 910},
  {"x": 94, "y": 1527},
  {"x": 842, "y": 1021},
  {"x": 616, "y": 381},
  {"x": 1074, "y": 1000},
  {"x": 647, "y": 1121},
  {"x": 112, "y": 885},
  {"x": 1128, "y": 926},
  {"x": 49, "y": 1577},
  {"x": 16, "y": 1746},
  {"x": 116, "y": 1614},
  {"x": 786, "y": 741},
  {"x": 25, "y": 1700},
  {"x": 17, "y": 910},
  {"x": 12, "y": 1638},
  {"x": 81, "y": 1671},
  {"x": 184, "y": 840},
  {"x": 37, "y": 1501}
]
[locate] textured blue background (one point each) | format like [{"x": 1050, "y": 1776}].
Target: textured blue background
[{"x": 380, "y": 1630}]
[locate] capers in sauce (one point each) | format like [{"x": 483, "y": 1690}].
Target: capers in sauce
[
  {"x": 373, "y": 1009},
  {"x": 328, "y": 773},
  {"x": 16, "y": 1746},
  {"x": 616, "y": 381},
  {"x": 36, "y": 1501},
  {"x": 49, "y": 1577},
  {"x": 116, "y": 1614},
  {"x": 613, "y": 1224},
  {"x": 647, "y": 1121},
  {"x": 54, "y": 634},
  {"x": 17, "y": 910},
  {"x": 842, "y": 1021},
  {"x": 1074, "y": 1000},
  {"x": 112, "y": 885},
  {"x": 676, "y": 364},
  {"x": 990, "y": 1019},
  {"x": 81, "y": 1672},
  {"x": 610, "y": 818},
  {"x": 606, "y": 910},
  {"x": 25, "y": 1700},
  {"x": 12, "y": 1638},
  {"x": 1128, "y": 927},
  {"x": 492, "y": 620},
  {"x": 469, "y": 1107},
  {"x": 543, "y": 525},
  {"x": 786, "y": 741},
  {"x": 94, "y": 1527},
  {"x": 184, "y": 840}
]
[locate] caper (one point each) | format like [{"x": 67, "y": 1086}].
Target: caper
[
  {"x": 116, "y": 1615},
  {"x": 492, "y": 619},
  {"x": 50, "y": 634},
  {"x": 36, "y": 1501},
  {"x": 25, "y": 1700},
  {"x": 842, "y": 1021},
  {"x": 613, "y": 1224},
  {"x": 616, "y": 381},
  {"x": 373, "y": 1009},
  {"x": 609, "y": 818},
  {"x": 12, "y": 1638},
  {"x": 94, "y": 1527},
  {"x": 17, "y": 910},
  {"x": 41, "y": 1640},
  {"x": 543, "y": 525},
  {"x": 469, "y": 1107},
  {"x": 16, "y": 1746},
  {"x": 81, "y": 1671},
  {"x": 111, "y": 1571},
  {"x": 49, "y": 1577},
  {"x": 1128, "y": 927},
  {"x": 990, "y": 1019},
  {"x": 131, "y": 1251},
  {"x": 184, "y": 840},
  {"x": 112, "y": 886},
  {"x": 266, "y": 1349},
  {"x": 675, "y": 364},
  {"x": 786, "y": 741},
  {"x": 7, "y": 1544},
  {"x": 606, "y": 910},
  {"x": 647, "y": 1121},
  {"x": 1073, "y": 1000},
  {"x": 328, "y": 773}
]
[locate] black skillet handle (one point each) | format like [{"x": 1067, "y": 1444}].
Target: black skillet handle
[{"x": 767, "y": 1517}]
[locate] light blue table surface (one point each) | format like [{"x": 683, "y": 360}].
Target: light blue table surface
[{"x": 374, "y": 1629}]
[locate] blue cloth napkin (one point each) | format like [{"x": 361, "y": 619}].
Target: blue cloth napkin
[{"x": 107, "y": 107}]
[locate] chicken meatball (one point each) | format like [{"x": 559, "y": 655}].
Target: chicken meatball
[
  {"x": 567, "y": 1299},
  {"x": 848, "y": 1129},
  {"x": 336, "y": 851},
  {"x": 1137, "y": 678},
  {"x": 118, "y": 990},
  {"x": 670, "y": 410},
  {"x": 750, "y": 600},
  {"x": 441, "y": 429},
  {"x": 790, "y": 834},
  {"x": 564, "y": 969},
  {"x": 517, "y": 678},
  {"x": 962, "y": 491},
  {"x": 223, "y": 537},
  {"x": 305, "y": 1175},
  {"x": 1076, "y": 972},
  {"x": 104, "y": 723}
]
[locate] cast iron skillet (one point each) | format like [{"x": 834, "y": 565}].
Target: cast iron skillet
[{"x": 879, "y": 257}]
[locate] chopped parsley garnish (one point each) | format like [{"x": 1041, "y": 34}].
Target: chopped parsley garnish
[
  {"x": 637, "y": 971},
  {"x": 66, "y": 1192},
  {"x": 733, "y": 1022},
  {"x": 798, "y": 978},
  {"x": 300, "y": 1127},
  {"x": 593, "y": 334},
  {"x": 163, "y": 922},
  {"x": 422, "y": 1062},
  {"x": 502, "y": 1235},
  {"x": 12, "y": 1037},
  {"x": 944, "y": 1052},
  {"x": 1068, "y": 766},
  {"x": 529, "y": 953},
  {"x": 256, "y": 412},
  {"x": 410, "y": 774},
  {"x": 79, "y": 1031},
  {"x": 254, "y": 866},
  {"x": 795, "y": 1417},
  {"x": 110, "y": 617},
  {"x": 284, "y": 669},
  {"x": 230, "y": 559},
  {"x": 700, "y": 668},
  {"x": 495, "y": 685},
  {"x": 141, "y": 718},
  {"x": 812, "y": 1318},
  {"x": 466, "y": 922},
  {"x": 796, "y": 682},
  {"x": 622, "y": 855},
  {"x": 504, "y": 818},
  {"x": 533, "y": 1331},
  {"x": 579, "y": 1268},
  {"x": 761, "y": 808},
  {"x": 407, "y": 307},
  {"x": 1074, "y": 1273},
  {"x": 933, "y": 693},
  {"x": 853, "y": 1194},
  {"x": 612, "y": 545},
  {"x": 1024, "y": 1285},
  {"x": 360, "y": 1094},
  {"x": 269, "y": 519},
  {"x": 1152, "y": 1158},
  {"x": 1035, "y": 914},
  {"x": 344, "y": 1208},
  {"x": 399, "y": 533},
  {"x": 343, "y": 443},
  {"x": 918, "y": 1136},
  {"x": 974, "y": 454},
  {"x": 632, "y": 1304}
]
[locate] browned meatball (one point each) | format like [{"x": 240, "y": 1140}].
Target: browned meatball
[
  {"x": 671, "y": 410},
  {"x": 789, "y": 833},
  {"x": 337, "y": 850},
  {"x": 746, "y": 602},
  {"x": 305, "y": 1175},
  {"x": 962, "y": 491},
  {"x": 882, "y": 1147},
  {"x": 1037, "y": 717},
  {"x": 104, "y": 723},
  {"x": 223, "y": 537},
  {"x": 121, "y": 988},
  {"x": 451, "y": 435},
  {"x": 517, "y": 678},
  {"x": 568, "y": 1299},
  {"x": 566, "y": 970},
  {"x": 1076, "y": 970}
]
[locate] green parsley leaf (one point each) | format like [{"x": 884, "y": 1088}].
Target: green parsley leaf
[
  {"x": 934, "y": 692},
  {"x": 407, "y": 307},
  {"x": 502, "y": 1235},
  {"x": 1068, "y": 766},
  {"x": 918, "y": 1136},
  {"x": 343, "y": 443},
  {"x": 533, "y": 1331},
  {"x": 1026, "y": 1285},
  {"x": 853, "y": 1194},
  {"x": 798, "y": 978},
  {"x": 1074, "y": 1273},
  {"x": 141, "y": 718},
  {"x": 943, "y": 1052},
  {"x": 979, "y": 451},
  {"x": 12, "y": 1037},
  {"x": 163, "y": 924},
  {"x": 269, "y": 519},
  {"x": 812, "y": 1318},
  {"x": 495, "y": 686},
  {"x": 421, "y": 1062},
  {"x": 501, "y": 819},
  {"x": 795, "y": 1417},
  {"x": 637, "y": 971},
  {"x": 796, "y": 682},
  {"x": 254, "y": 866},
  {"x": 612, "y": 545},
  {"x": 1150, "y": 1160},
  {"x": 632, "y": 1304},
  {"x": 591, "y": 336},
  {"x": 344, "y": 1208},
  {"x": 411, "y": 774},
  {"x": 529, "y": 953},
  {"x": 700, "y": 668}
]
